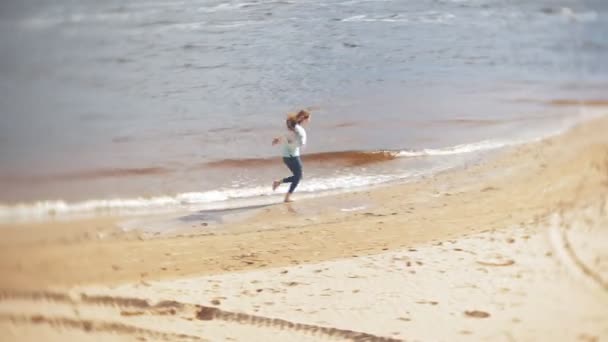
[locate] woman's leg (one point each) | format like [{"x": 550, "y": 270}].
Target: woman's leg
[
  {"x": 295, "y": 166},
  {"x": 276, "y": 183}
]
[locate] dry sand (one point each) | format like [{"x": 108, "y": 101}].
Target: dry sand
[{"x": 511, "y": 249}]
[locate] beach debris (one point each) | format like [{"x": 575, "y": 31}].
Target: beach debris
[
  {"x": 372, "y": 214},
  {"x": 477, "y": 314},
  {"x": 507, "y": 262},
  {"x": 292, "y": 283}
]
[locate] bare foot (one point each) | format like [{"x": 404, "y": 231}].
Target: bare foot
[
  {"x": 290, "y": 208},
  {"x": 288, "y": 200},
  {"x": 275, "y": 185}
]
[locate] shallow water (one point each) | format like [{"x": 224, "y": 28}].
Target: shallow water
[{"x": 154, "y": 103}]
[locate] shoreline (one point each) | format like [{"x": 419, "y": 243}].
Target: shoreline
[
  {"x": 486, "y": 249},
  {"x": 60, "y": 210}
]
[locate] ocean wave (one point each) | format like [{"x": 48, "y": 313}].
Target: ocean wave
[
  {"x": 53, "y": 19},
  {"x": 60, "y": 208},
  {"x": 344, "y": 158},
  {"x": 566, "y": 12},
  {"x": 361, "y": 158},
  {"x": 226, "y": 7},
  {"x": 458, "y": 149},
  {"x": 427, "y": 17},
  {"x": 215, "y": 199},
  {"x": 207, "y": 26},
  {"x": 365, "y": 18}
]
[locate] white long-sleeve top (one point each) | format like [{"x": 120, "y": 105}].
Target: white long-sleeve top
[{"x": 294, "y": 140}]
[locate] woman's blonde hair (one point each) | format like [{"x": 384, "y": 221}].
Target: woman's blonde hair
[{"x": 295, "y": 119}]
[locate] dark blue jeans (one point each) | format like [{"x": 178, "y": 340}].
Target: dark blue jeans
[{"x": 295, "y": 166}]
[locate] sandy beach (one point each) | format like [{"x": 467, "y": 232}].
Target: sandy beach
[{"x": 510, "y": 249}]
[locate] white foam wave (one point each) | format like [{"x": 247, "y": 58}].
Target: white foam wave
[
  {"x": 226, "y": 7},
  {"x": 568, "y": 13},
  {"x": 191, "y": 200},
  {"x": 428, "y": 17},
  {"x": 206, "y": 26},
  {"x": 364, "y": 18},
  {"x": 185, "y": 201},
  {"x": 60, "y": 208},
  {"x": 458, "y": 149},
  {"x": 436, "y": 18},
  {"x": 49, "y": 20},
  {"x": 192, "y": 26}
]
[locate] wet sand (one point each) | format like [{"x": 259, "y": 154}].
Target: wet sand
[{"x": 511, "y": 249}]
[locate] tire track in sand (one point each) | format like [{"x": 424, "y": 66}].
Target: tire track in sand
[
  {"x": 129, "y": 306},
  {"x": 566, "y": 251},
  {"x": 95, "y": 326}
]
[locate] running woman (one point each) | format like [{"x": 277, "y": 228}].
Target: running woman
[{"x": 293, "y": 141}]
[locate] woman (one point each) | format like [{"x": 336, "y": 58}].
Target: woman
[{"x": 293, "y": 141}]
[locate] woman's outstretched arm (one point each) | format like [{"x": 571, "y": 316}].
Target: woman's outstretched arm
[{"x": 277, "y": 140}]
